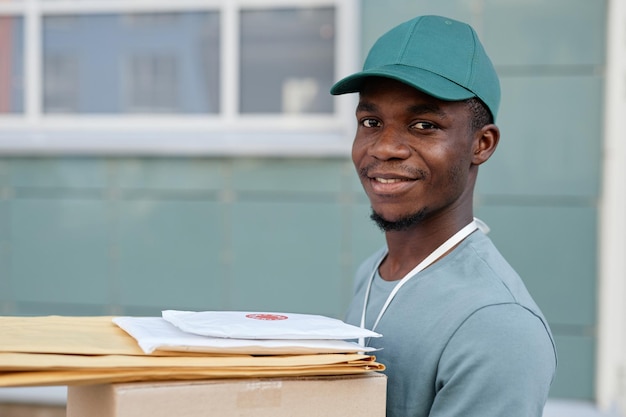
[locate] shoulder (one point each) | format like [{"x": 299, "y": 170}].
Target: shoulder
[
  {"x": 503, "y": 354},
  {"x": 508, "y": 338},
  {"x": 483, "y": 277}
]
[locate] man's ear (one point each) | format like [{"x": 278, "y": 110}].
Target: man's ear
[{"x": 485, "y": 143}]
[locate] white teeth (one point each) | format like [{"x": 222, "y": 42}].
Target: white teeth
[{"x": 388, "y": 180}]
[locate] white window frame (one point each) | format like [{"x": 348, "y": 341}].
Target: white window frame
[{"x": 228, "y": 133}]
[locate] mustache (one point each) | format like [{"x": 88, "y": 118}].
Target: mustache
[{"x": 398, "y": 166}]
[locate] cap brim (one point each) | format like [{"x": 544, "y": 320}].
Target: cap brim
[{"x": 423, "y": 80}]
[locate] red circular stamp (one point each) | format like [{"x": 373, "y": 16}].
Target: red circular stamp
[{"x": 265, "y": 316}]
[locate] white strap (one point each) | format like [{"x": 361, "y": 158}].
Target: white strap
[{"x": 454, "y": 240}]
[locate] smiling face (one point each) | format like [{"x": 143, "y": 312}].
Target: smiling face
[{"x": 416, "y": 155}]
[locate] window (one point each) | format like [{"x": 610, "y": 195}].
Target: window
[
  {"x": 61, "y": 83},
  {"x": 228, "y": 74},
  {"x": 153, "y": 85},
  {"x": 127, "y": 63},
  {"x": 287, "y": 60}
]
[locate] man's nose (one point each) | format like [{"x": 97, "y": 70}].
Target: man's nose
[{"x": 390, "y": 144}]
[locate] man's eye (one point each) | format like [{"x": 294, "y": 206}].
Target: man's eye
[
  {"x": 424, "y": 125},
  {"x": 370, "y": 123}
]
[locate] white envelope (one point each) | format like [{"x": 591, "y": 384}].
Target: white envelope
[
  {"x": 264, "y": 325},
  {"x": 155, "y": 333}
]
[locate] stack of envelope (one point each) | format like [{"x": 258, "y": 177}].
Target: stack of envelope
[{"x": 180, "y": 345}]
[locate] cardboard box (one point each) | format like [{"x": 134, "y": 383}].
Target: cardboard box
[{"x": 361, "y": 395}]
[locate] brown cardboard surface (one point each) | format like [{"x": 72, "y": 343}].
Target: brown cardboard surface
[{"x": 332, "y": 396}]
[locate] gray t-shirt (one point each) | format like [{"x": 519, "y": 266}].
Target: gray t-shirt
[{"x": 462, "y": 338}]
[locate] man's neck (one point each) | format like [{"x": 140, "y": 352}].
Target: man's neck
[{"x": 408, "y": 248}]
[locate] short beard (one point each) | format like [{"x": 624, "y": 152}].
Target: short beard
[{"x": 400, "y": 225}]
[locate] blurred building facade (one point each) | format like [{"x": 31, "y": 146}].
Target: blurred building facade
[{"x": 187, "y": 154}]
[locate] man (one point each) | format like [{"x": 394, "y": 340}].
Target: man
[{"x": 461, "y": 335}]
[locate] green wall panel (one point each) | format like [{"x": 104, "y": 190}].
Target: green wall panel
[
  {"x": 286, "y": 175},
  {"x": 59, "y": 173},
  {"x": 168, "y": 255},
  {"x": 59, "y": 251},
  {"x": 551, "y": 142},
  {"x": 575, "y": 376},
  {"x": 286, "y": 255},
  {"x": 168, "y": 174},
  {"x": 6, "y": 293},
  {"x": 553, "y": 249},
  {"x": 538, "y": 33},
  {"x": 366, "y": 236},
  {"x": 73, "y": 308}
]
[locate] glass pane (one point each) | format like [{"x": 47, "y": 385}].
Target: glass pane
[
  {"x": 131, "y": 63},
  {"x": 287, "y": 60},
  {"x": 11, "y": 64}
]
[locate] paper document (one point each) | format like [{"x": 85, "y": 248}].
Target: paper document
[
  {"x": 65, "y": 335},
  {"x": 31, "y": 369},
  {"x": 57, "y": 350},
  {"x": 254, "y": 325},
  {"x": 155, "y": 333}
]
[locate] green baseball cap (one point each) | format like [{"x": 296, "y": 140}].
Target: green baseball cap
[{"x": 439, "y": 56}]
